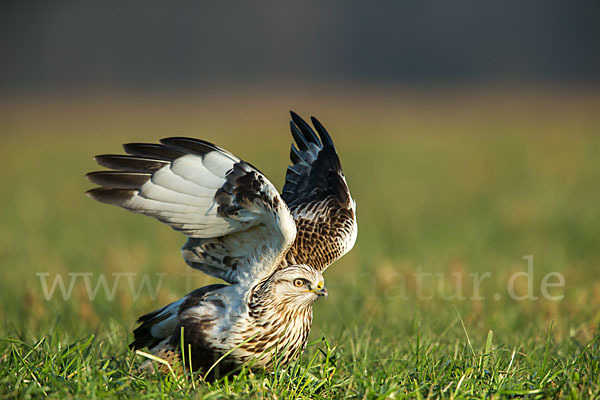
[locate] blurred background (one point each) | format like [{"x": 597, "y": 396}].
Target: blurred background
[
  {"x": 150, "y": 45},
  {"x": 468, "y": 130}
]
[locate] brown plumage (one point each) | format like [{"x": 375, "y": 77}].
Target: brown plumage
[{"x": 270, "y": 248}]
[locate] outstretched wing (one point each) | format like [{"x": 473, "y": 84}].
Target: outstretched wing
[
  {"x": 316, "y": 191},
  {"x": 237, "y": 224}
]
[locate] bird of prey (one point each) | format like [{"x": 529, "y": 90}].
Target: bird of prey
[{"x": 270, "y": 248}]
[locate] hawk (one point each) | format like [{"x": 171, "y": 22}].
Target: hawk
[{"x": 270, "y": 248}]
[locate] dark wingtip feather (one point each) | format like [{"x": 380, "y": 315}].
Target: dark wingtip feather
[
  {"x": 195, "y": 146},
  {"x": 295, "y": 155},
  {"x": 118, "y": 179},
  {"x": 315, "y": 175},
  {"x": 323, "y": 134},
  {"x": 307, "y": 131},
  {"x": 111, "y": 196},
  {"x": 294, "y": 115},
  {"x": 129, "y": 163},
  {"x": 152, "y": 150},
  {"x": 298, "y": 137}
]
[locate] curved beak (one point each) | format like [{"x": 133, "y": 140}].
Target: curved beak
[{"x": 322, "y": 291}]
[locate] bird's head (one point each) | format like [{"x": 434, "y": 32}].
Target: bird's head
[{"x": 298, "y": 284}]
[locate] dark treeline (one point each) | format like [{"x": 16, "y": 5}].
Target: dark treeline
[{"x": 145, "y": 44}]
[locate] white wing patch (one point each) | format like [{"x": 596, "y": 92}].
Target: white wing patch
[
  {"x": 193, "y": 170},
  {"x": 238, "y": 225}
]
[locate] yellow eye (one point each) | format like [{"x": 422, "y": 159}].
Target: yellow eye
[{"x": 299, "y": 282}]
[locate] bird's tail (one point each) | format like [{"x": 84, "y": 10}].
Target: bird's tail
[
  {"x": 159, "y": 330},
  {"x": 156, "y": 326}
]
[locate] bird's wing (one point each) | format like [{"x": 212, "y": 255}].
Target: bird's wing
[
  {"x": 238, "y": 225},
  {"x": 317, "y": 194}
]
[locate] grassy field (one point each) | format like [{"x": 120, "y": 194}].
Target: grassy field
[{"x": 453, "y": 188}]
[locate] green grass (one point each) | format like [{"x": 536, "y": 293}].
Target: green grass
[{"x": 447, "y": 182}]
